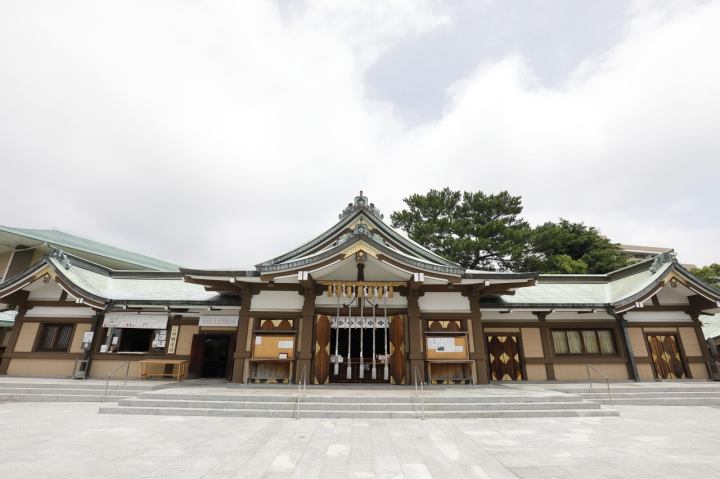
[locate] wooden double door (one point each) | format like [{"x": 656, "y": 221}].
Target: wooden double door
[
  {"x": 504, "y": 354},
  {"x": 667, "y": 362}
]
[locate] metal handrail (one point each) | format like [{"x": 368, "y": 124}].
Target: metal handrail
[
  {"x": 422, "y": 391},
  {"x": 107, "y": 383},
  {"x": 607, "y": 381},
  {"x": 301, "y": 384}
]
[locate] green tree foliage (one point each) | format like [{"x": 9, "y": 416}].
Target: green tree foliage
[
  {"x": 566, "y": 247},
  {"x": 709, "y": 274},
  {"x": 476, "y": 230}
]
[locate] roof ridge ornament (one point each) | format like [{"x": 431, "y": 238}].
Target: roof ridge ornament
[
  {"x": 361, "y": 201},
  {"x": 61, "y": 256},
  {"x": 660, "y": 260}
]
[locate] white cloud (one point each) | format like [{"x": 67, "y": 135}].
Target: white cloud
[{"x": 221, "y": 134}]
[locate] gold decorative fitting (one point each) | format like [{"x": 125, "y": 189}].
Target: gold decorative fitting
[{"x": 46, "y": 278}]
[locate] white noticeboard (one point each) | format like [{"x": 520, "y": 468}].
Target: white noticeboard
[
  {"x": 218, "y": 321},
  {"x": 135, "y": 320},
  {"x": 443, "y": 345}
]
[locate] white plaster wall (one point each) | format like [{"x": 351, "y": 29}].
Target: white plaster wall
[
  {"x": 656, "y": 316},
  {"x": 514, "y": 316},
  {"x": 444, "y": 302},
  {"x": 576, "y": 316},
  {"x": 277, "y": 301},
  {"x": 79, "y": 312},
  {"x": 46, "y": 292}
]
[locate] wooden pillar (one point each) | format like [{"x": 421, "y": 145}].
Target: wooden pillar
[
  {"x": 480, "y": 355},
  {"x": 12, "y": 341},
  {"x": 414, "y": 342},
  {"x": 242, "y": 353},
  {"x": 548, "y": 354},
  {"x": 627, "y": 345},
  {"x": 700, "y": 336},
  {"x": 305, "y": 339}
]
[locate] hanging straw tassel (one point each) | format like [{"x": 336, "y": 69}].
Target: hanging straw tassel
[
  {"x": 330, "y": 288},
  {"x": 349, "y": 291},
  {"x": 390, "y": 293},
  {"x": 338, "y": 291}
]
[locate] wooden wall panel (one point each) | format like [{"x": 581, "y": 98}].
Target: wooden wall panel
[
  {"x": 578, "y": 372},
  {"x": 41, "y": 367},
  {"x": 26, "y": 338},
  {"x": 690, "y": 342},
  {"x": 184, "y": 341},
  {"x": 637, "y": 341},
  {"x": 100, "y": 368},
  {"x": 699, "y": 371},
  {"x": 536, "y": 372},
  {"x": 532, "y": 343},
  {"x": 645, "y": 371},
  {"x": 80, "y": 330}
]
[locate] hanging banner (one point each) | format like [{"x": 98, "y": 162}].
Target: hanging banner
[
  {"x": 218, "y": 321},
  {"x": 136, "y": 321},
  {"x": 358, "y": 322}
]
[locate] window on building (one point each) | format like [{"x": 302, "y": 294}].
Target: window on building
[
  {"x": 583, "y": 341},
  {"x": 54, "y": 337},
  {"x": 133, "y": 340}
]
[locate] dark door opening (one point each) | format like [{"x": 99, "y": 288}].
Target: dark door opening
[
  {"x": 353, "y": 349},
  {"x": 211, "y": 356}
]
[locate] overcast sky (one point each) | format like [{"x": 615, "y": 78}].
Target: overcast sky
[{"x": 222, "y": 134}]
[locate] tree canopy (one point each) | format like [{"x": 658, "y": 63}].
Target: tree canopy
[
  {"x": 567, "y": 247},
  {"x": 476, "y": 230},
  {"x": 709, "y": 274},
  {"x": 480, "y": 231}
]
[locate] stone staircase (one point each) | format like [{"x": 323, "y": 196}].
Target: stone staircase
[
  {"x": 652, "y": 394},
  {"x": 328, "y": 402},
  {"x": 69, "y": 390}
]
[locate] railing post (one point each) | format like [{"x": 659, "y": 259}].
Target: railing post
[
  {"x": 418, "y": 378},
  {"x": 607, "y": 380}
]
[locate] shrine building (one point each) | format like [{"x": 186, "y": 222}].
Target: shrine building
[{"x": 359, "y": 303}]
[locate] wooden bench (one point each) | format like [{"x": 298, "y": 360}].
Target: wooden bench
[{"x": 179, "y": 372}]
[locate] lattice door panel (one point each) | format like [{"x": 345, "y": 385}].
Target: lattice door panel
[
  {"x": 322, "y": 350},
  {"x": 666, "y": 357},
  {"x": 504, "y": 355}
]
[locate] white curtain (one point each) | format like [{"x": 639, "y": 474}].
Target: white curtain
[
  {"x": 606, "y": 342},
  {"x": 591, "y": 342},
  {"x": 561, "y": 346},
  {"x": 574, "y": 342}
]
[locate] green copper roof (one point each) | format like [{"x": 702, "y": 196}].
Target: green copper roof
[{"x": 81, "y": 246}]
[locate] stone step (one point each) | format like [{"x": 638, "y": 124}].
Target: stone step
[
  {"x": 651, "y": 394},
  {"x": 310, "y": 405},
  {"x": 518, "y": 413},
  {"x": 60, "y": 397},
  {"x": 401, "y": 398},
  {"x": 660, "y": 401},
  {"x": 70, "y": 384},
  {"x": 598, "y": 388},
  {"x": 67, "y": 392}
]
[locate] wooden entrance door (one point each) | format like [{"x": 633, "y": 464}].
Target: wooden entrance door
[
  {"x": 321, "y": 365},
  {"x": 666, "y": 357},
  {"x": 396, "y": 336},
  {"x": 504, "y": 355}
]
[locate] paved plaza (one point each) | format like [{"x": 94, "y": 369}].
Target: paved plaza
[{"x": 70, "y": 440}]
